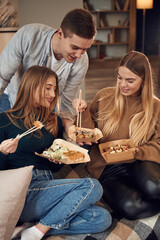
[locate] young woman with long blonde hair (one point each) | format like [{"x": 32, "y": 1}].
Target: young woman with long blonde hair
[{"x": 128, "y": 111}]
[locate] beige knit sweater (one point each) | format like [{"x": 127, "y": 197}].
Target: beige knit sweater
[{"x": 149, "y": 151}]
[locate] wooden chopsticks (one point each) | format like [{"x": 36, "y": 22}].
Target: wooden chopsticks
[
  {"x": 79, "y": 114},
  {"x": 34, "y": 128},
  {"x": 29, "y": 131}
]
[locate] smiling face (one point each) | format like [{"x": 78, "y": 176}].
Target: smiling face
[
  {"x": 128, "y": 82},
  {"x": 47, "y": 95},
  {"x": 71, "y": 48}
]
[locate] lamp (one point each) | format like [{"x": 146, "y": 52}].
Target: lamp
[{"x": 144, "y": 4}]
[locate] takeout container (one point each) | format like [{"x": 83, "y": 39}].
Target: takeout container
[
  {"x": 97, "y": 134},
  {"x": 69, "y": 146},
  {"x": 120, "y": 156}
]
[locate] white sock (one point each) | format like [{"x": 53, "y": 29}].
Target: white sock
[
  {"x": 32, "y": 233},
  {"x": 18, "y": 230}
]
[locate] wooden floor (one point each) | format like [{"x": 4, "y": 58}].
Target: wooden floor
[{"x": 102, "y": 73}]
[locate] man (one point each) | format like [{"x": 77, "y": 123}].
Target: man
[{"x": 62, "y": 50}]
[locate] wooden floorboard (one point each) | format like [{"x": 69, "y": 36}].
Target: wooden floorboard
[{"x": 102, "y": 73}]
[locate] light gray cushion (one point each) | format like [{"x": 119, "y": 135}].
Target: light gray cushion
[{"x": 13, "y": 188}]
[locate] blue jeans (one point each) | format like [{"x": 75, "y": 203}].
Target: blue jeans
[
  {"x": 65, "y": 205},
  {"x": 4, "y": 103}
]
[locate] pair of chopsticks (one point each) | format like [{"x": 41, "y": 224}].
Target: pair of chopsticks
[
  {"x": 79, "y": 114},
  {"x": 35, "y": 128}
]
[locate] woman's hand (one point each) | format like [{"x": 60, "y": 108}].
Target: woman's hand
[
  {"x": 136, "y": 150},
  {"x": 9, "y": 146},
  {"x": 54, "y": 161},
  {"x": 85, "y": 143},
  {"x": 79, "y": 106}
]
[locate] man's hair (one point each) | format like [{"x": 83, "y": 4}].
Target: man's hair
[{"x": 80, "y": 22}]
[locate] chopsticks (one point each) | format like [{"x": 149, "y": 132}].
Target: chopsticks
[
  {"x": 79, "y": 114},
  {"x": 37, "y": 125},
  {"x": 35, "y": 128}
]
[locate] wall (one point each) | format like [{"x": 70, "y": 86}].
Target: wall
[
  {"x": 4, "y": 39},
  {"x": 49, "y": 12}
]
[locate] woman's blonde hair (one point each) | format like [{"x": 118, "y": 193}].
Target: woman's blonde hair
[
  {"x": 141, "y": 122},
  {"x": 24, "y": 109}
]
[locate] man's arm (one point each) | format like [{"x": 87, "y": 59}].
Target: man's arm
[
  {"x": 66, "y": 124},
  {"x": 76, "y": 76},
  {"x": 11, "y": 58}
]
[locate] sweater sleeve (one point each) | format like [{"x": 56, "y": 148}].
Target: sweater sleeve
[
  {"x": 89, "y": 116},
  {"x": 3, "y": 136},
  {"x": 75, "y": 78},
  {"x": 60, "y": 128},
  {"x": 151, "y": 150},
  {"x": 4, "y": 121},
  {"x": 11, "y": 58},
  {"x": 26, "y": 48}
]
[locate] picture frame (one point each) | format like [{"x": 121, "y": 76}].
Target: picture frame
[{"x": 9, "y": 14}]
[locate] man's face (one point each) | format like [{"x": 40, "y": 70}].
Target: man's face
[{"x": 73, "y": 47}]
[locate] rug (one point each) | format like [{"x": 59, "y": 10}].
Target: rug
[{"x": 121, "y": 229}]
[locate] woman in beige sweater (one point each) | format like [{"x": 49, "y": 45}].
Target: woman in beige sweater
[{"x": 128, "y": 111}]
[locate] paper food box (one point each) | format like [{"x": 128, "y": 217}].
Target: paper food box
[
  {"x": 84, "y": 134},
  {"x": 117, "y": 151},
  {"x": 65, "y": 152}
]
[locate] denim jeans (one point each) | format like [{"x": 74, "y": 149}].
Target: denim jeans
[
  {"x": 65, "y": 205},
  {"x": 4, "y": 103}
]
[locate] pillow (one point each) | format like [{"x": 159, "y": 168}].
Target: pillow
[{"x": 13, "y": 189}]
